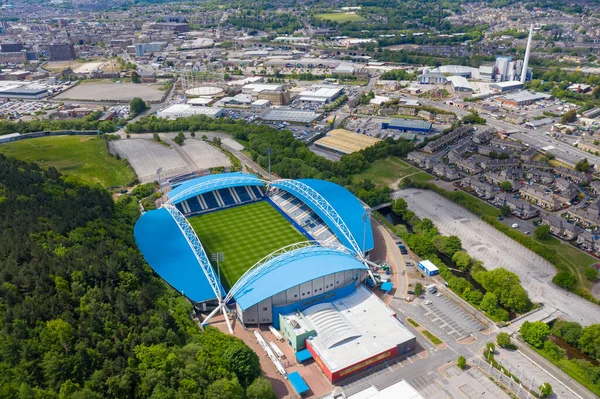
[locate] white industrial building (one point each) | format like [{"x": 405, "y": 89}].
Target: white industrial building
[
  {"x": 184, "y": 110},
  {"x": 320, "y": 95},
  {"x": 460, "y": 84},
  {"x": 254, "y": 89}
]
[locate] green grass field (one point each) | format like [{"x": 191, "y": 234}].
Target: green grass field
[
  {"x": 388, "y": 172},
  {"x": 341, "y": 17},
  {"x": 83, "y": 157},
  {"x": 245, "y": 234}
]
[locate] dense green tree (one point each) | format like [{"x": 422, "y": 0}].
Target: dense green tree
[
  {"x": 225, "y": 389},
  {"x": 582, "y": 165},
  {"x": 507, "y": 288},
  {"x": 535, "y": 333},
  {"x": 568, "y": 330},
  {"x": 506, "y": 186},
  {"x": 135, "y": 77},
  {"x": 569, "y": 117},
  {"x": 503, "y": 339},
  {"x": 489, "y": 302},
  {"x": 461, "y": 362},
  {"x": 260, "y": 389},
  {"x": 179, "y": 139},
  {"x": 399, "y": 206},
  {"x": 462, "y": 260},
  {"x": 459, "y": 285},
  {"x": 81, "y": 314},
  {"x": 505, "y": 210},
  {"x": 418, "y": 289},
  {"x": 589, "y": 342},
  {"x": 542, "y": 232},
  {"x": 243, "y": 362},
  {"x": 136, "y": 106},
  {"x": 546, "y": 390},
  {"x": 565, "y": 279}
]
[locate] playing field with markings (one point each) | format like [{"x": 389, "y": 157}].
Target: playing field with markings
[{"x": 245, "y": 234}]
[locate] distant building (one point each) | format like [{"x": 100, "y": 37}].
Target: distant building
[
  {"x": 407, "y": 125},
  {"x": 11, "y": 47},
  {"x": 172, "y": 27},
  {"x": 61, "y": 52}
]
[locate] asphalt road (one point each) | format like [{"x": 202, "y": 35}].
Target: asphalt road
[{"x": 497, "y": 250}]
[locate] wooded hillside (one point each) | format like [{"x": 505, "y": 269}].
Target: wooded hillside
[{"x": 83, "y": 316}]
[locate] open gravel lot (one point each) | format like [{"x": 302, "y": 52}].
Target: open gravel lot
[
  {"x": 497, "y": 250},
  {"x": 146, "y": 157},
  {"x": 203, "y": 155},
  {"x": 109, "y": 91}
]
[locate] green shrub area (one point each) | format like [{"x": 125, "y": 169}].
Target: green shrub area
[
  {"x": 83, "y": 316},
  {"x": 435, "y": 340},
  {"x": 586, "y": 339},
  {"x": 565, "y": 257},
  {"x": 412, "y": 322},
  {"x": 503, "y": 290}
]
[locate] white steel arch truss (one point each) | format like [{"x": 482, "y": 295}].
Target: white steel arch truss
[
  {"x": 212, "y": 185},
  {"x": 196, "y": 247},
  {"x": 324, "y": 206},
  {"x": 277, "y": 258}
]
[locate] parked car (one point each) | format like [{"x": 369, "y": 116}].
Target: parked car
[
  {"x": 410, "y": 292},
  {"x": 515, "y": 225},
  {"x": 427, "y": 302}
]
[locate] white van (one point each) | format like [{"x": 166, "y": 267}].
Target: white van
[{"x": 515, "y": 225}]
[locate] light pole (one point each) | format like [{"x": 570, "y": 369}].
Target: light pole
[
  {"x": 268, "y": 151},
  {"x": 218, "y": 257}
]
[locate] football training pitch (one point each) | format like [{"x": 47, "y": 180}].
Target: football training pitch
[{"x": 244, "y": 234}]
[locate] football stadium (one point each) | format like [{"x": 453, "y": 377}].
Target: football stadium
[{"x": 290, "y": 254}]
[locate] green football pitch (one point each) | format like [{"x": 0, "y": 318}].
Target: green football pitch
[{"x": 244, "y": 234}]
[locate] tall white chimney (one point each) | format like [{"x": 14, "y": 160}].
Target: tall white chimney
[{"x": 526, "y": 61}]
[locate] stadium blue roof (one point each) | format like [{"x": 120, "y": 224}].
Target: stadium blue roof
[
  {"x": 166, "y": 250},
  {"x": 345, "y": 203},
  {"x": 220, "y": 180},
  {"x": 292, "y": 269}
]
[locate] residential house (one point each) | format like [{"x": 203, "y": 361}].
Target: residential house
[
  {"x": 573, "y": 175},
  {"x": 417, "y": 158},
  {"x": 507, "y": 143},
  {"x": 445, "y": 172},
  {"x": 539, "y": 176},
  {"x": 483, "y": 136},
  {"x": 468, "y": 165},
  {"x": 585, "y": 217},
  {"x": 496, "y": 164},
  {"x": 540, "y": 197},
  {"x": 528, "y": 154},
  {"x": 561, "y": 228},
  {"x": 437, "y": 145},
  {"x": 541, "y": 165},
  {"x": 587, "y": 241},
  {"x": 517, "y": 206},
  {"x": 595, "y": 186},
  {"x": 482, "y": 190}
]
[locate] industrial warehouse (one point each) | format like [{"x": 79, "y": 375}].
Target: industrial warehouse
[
  {"x": 342, "y": 141},
  {"x": 311, "y": 291}
]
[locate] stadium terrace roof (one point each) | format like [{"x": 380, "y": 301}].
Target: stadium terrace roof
[
  {"x": 165, "y": 248},
  {"x": 208, "y": 183},
  {"x": 344, "y": 202},
  {"x": 292, "y": 269}
]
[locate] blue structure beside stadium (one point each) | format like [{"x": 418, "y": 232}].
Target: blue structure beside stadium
[{"x": 166, "y": 250}]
